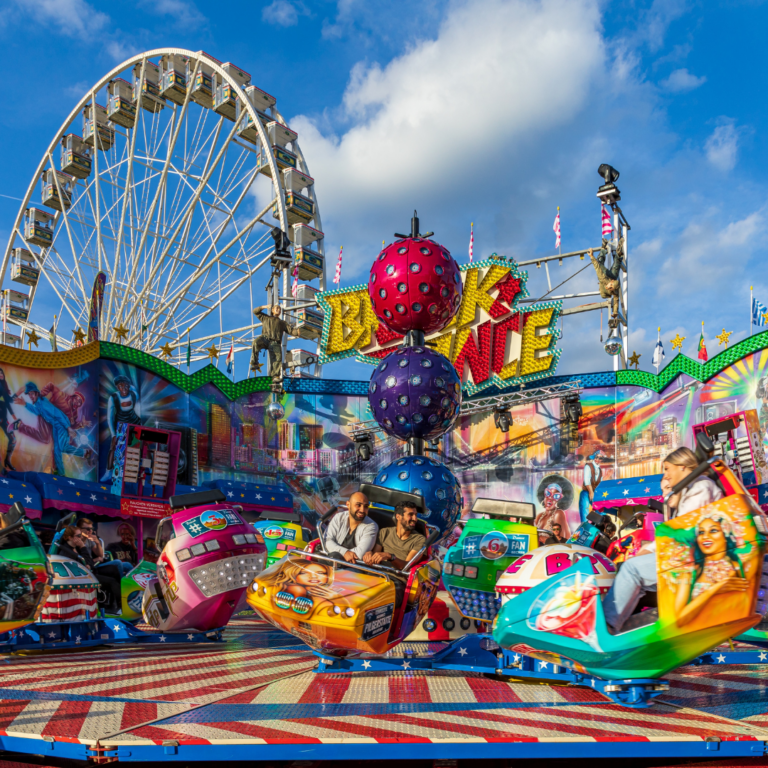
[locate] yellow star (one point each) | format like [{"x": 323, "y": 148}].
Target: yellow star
[
  {"x": 121, "y": 332},
  {"x": 723, "y": 338},
  {"x": 765, "y": 317},
  {"x": 32, "y": 338},
  {"x": 635, "y": 359},
  {"x": 79, "y": 335},
  {"x": 167, "y": 350},
  {"x": 605, "y": 494},
  {"x": 212, "y": 352},
  {"x": 257, "y": 366},
  {"x": 677, "y": 342}
]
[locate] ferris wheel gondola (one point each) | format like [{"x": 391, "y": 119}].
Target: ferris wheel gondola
[{"x": 172, "y": 188}]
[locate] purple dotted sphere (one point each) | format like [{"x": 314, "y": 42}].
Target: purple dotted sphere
[
  {"x": 415, "y": 392},
  {"x": 432, "y": 481},
  {"x": 415, "y": 285}
]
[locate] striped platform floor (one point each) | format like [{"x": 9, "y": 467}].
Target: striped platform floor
[{"x": 257, "y": 697}]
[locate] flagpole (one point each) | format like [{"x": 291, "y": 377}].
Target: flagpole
[
  {"x": 559, "y": 247},
  {"x": 233, "y": 358},
  {"x": 189, "y": 350},
  {"x": 655, "y": 356}
]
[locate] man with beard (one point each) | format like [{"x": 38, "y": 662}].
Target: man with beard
[
  {"x": 352, "y": 535},
  {"x": 400, "y": 544}
]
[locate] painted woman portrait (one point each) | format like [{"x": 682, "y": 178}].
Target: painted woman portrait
[
  {"x": 717, "y": 567},
  {"x": 555, "y": 494},
  {"x": 302, "y": 578}
]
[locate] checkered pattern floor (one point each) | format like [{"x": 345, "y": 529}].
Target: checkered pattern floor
[{"x": 259, "y": 689}]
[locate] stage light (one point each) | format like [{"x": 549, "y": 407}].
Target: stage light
[
  {"x": 363, "y": 446},
  {"x": 502, "y": 418},
  {"x": 609, "y": 173},
  {"x": 572, "y": 408}
]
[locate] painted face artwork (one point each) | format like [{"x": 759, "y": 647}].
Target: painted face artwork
[
  {"x": 552, "y": 495},
  {"x": 313, "y": 575},
  {"x": 710, "y": 537}
]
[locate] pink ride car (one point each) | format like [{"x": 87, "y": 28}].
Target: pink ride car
[{"x": 209, "y": 556}]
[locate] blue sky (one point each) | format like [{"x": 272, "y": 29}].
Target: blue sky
[{"x": 486, "y": 111}]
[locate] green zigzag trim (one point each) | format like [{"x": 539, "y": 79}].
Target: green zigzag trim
[
  {"x": 693, "y": 368},
  {"x": 185, "y": 381}
]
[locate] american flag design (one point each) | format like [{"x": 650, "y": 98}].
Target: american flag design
[
  {"x": 607, "y": 222},
  {"x": 260, "y": 688},
  {"x": 337, "y": 276},
  {"x": 556, "y": 229}
]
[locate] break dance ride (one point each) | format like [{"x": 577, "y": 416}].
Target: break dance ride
[{"x": 344, "y": 610}]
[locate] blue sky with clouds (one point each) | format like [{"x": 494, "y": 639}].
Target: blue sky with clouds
[{"x": 483, "y": 110}]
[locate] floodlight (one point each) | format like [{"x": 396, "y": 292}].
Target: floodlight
[
  {"x": 572, "y": 408},
  {"x": 363, "y": 446},
  {"x": 609, "y": 173},
  {"x": 502, "y": 418}
]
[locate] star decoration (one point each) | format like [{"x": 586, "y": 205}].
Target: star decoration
[
  {"x": 120, "y": 331},
  {"x": 462, "y": 651},
  {"x": 257, "y": 366},
  {"x": 32, "y": 338},
  {"x": 212, "y": 352},
  {"x": 626, "y": 492},
  {"x": 52, "y": 635},
  {"x": 366, "y": 664},
  {"x": 634, "y": 359},
  {"x": 723, "y": 338},
  {"x": 720, "y": 659},
  {"x": 543, "y": 665},
  {"x": 605, "y": 494},
  {"x": 677, "y": 342},
  {"x": 190, "y": 637},
  {"x": 28, "y": 499},
  {"x": 79, "y": 335},
  {"x": 167, "y": 350},
  {"x": 763, "y": 655},
  {"x": 406, "y": 665},
  {"x": 93, "y": 497},
  {"x": 163, "y": 638},
  {"x": 117, "y": 627}
]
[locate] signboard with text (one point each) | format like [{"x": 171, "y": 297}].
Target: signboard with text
[{"x": 494, "y": 339}]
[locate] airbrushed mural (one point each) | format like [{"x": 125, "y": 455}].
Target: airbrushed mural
[{"x": 62, "y": 421}]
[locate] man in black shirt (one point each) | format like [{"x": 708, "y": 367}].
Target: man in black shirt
[{"x": 555, "y": 538}]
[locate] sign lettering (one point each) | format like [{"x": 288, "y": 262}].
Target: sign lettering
[{"x": 494, "y": 339}]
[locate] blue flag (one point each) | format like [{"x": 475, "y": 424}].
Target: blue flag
[{"x": 759, "y": 311}]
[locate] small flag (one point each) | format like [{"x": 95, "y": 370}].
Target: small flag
[
  {"x": 189, "y": 351},
  {"x": 295, "y": 286},
  {"x": 658, "y": 353},
  {"x": 702, "y": 347},
  {"x": 337, "y": 276},
  {"x": 607, "y": 223},
  {"x": 231, "y": 358},
  {"x": 471, "y": 241},
  {"x": 759, "y": 311},
  {"x": 556, "y": 228},
  {"x": 52, "y": 336}
]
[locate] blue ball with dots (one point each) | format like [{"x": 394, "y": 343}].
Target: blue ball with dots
[{"x": 432, "y": 481}]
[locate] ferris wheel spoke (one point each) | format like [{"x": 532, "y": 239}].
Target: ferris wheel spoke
[
  {"x": 163, "y": 177},
  {"x": 190, "y": 210},
  {"x": 207, "y": 264}
]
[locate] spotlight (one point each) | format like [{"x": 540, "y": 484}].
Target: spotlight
[
  {"x": 363, "y": 446},
  {"x": 609, "y": 173},
  {"x": 502, "y": 418},
  {"x": 572, "y": 408},
  {"x": 282, "y": 253},
  {"x": 608, "y": 192},
  {"x": 613, "y": 344}
]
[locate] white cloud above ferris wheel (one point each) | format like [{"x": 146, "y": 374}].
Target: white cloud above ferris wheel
[{"x": 477, "y": 111}]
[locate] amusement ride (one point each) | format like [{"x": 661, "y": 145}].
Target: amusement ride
[{"x": 173, "y": 190}]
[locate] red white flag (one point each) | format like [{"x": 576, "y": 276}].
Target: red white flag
[
  {"x": 471, "y": 241},
  {"x": 607, "y": 223},
  {"x": 556, "y": 228},
  {"x": 295, "y": 285},
  {"x": 337, "y": 276}
]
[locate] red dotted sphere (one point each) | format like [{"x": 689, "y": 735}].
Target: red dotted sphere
[{"x": 415, "y": 285}]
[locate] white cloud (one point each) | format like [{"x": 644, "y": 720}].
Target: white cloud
[
  {"x": 723, "y": 145},
  {"x": 71, "y": 17},
  {"x": 184, "y": 13},
  {"x": 282, "y": 13},
  {"x": 681, "y": 80},
  {"x": 463, "y": 107}
]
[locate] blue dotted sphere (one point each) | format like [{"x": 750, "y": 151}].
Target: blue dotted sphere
[
  {"x": 432, "y": 481},
  {"x": 415, "y": 392}
]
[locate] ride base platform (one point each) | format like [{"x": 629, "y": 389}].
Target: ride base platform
[{"x": 258, "y": 697}]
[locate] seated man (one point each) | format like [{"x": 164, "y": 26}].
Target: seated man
[
  {"x": 125, "y": 550},
  {"x": 638, "y": 574},
  {"x": 398, "y": 545},
  {"x": 555, "y": 538},
  {"x": 352, "y": 535}
]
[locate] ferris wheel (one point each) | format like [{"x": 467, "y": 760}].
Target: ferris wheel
[{"x": 173, "y": 177}]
